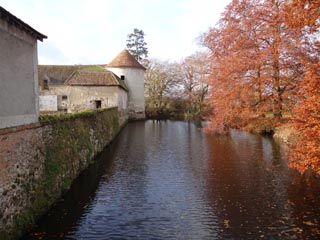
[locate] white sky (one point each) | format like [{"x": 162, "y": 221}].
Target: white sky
[{"x": 95, "y": 31}]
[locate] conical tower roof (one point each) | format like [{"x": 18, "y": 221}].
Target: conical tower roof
[{"x": 125, "y": 59}]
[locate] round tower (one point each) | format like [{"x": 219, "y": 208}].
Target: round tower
[{"x": 131, "y": 71}]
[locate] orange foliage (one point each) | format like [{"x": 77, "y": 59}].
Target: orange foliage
[
  {"x": 303, "y": 15},
  {"x": 265, "y": 58},
  {"x": 306, "y": 152},
  {"x": 255, "y": 63}
]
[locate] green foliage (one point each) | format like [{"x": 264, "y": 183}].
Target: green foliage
[
  {"x": 25, "y": 220},
  {"x": 52, "y": 119},
  {"x": 66, "y": 183},
  {"x": 137, "y": 46}
]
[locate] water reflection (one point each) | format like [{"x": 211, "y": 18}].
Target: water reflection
[
  {"x": 170, "y": 180},
  {"x": 249, "y": 189}
]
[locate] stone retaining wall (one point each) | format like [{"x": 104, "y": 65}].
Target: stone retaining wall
[{"x": 39, "y": 162}]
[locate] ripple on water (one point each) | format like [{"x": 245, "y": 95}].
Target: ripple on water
[{"x": 169, "y": 180}]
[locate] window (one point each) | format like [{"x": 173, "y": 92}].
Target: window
[
  {"x": 45, "y": 84},
  {"x": 63, "y": 102},
  {"x": 98, "y": 104},
  {"x": 122, "y": 77}
]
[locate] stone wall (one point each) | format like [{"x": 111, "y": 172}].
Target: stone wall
[{"x": 39, "y": 162}]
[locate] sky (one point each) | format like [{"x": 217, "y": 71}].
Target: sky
[{"x": 95, "y": 31}]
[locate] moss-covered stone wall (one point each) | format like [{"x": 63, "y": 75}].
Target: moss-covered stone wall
[{"x": 39, "y": 162}]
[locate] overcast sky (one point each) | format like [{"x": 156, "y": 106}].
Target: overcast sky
[{"x": 95, "y": 31}]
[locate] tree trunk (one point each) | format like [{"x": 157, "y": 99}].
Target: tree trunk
[{"x": 277, "y": 99}]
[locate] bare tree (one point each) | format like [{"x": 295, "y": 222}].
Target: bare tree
[
  {"x": 192, "y": 74},
  {"x": 159, "y": 83}
]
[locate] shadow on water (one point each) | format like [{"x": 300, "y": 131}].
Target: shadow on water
[
  {"x": 64, "y": 215},
  {"x": 170, "y": 180}
]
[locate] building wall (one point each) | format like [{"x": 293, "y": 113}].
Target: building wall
[
  {"x": 55, "y": 90},
  {"x": 81, "y": 98},
  {"x": 48, "y": 103},
  {"x": 18, "y": 77},
  {"x": 122, "y": 99},
  {"x": 135, "y": 81},
  {"x": 38, "y": 163},
  {"x": 84, "y": 98}
]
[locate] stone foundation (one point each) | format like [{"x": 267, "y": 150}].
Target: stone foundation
[
  {"x": 39, "y": 162},
  {"x": 137, "y": 115}
]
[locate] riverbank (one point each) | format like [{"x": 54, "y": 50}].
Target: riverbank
[
  {"x": 171, "y": 114},
  {"x": 38, "y": 163},
  {"x": 280, "y": 130},
  {"x": 165, "y": 114}
]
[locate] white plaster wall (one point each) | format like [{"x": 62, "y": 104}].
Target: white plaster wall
[
  {"x": 122, "y": 99},
  {"x": 18, "y": 77},
  {"x": 83, "y": 97},
  {"x": 48, "y": 103},
  {"x": 57, "y": 90},
  {"x": 134, "y": 79}
]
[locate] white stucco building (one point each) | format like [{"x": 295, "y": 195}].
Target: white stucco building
[
  {"x": 78, "y": 88},
  {"x": 73, "y": 88},
  {"x": 132, "y": 72},
  {"x": 18, "y": 71}
]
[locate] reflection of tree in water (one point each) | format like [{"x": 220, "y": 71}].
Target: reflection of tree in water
[
  {"x": 304, "y": 200},
  {"x": 249, "y": 185},
  {"x": 169, "y": 180}
]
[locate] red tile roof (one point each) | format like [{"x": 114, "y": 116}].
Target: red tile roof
[
  {"x": 79, "y": 75},
  {"x": 125, "y": 59},
  {"x": 57, "y": 74}
]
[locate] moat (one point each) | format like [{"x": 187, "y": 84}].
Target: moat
[{"x": 171, "y": 180}]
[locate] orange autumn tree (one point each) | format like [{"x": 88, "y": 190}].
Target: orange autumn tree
[
  {"x": 235, "y": 73},
  {"x": 255, "y": 64},
  {"x": 306, "y": 152},
  {"x": 303, "y": 13},
  {"x": 303, "y": 16}
]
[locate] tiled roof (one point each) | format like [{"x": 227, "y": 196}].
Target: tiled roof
[
  {"x": 93, "y": 78},
  {"x": 125, "y": 59},
  {"x": 57, "y": 74},
  {"x": 13, "y": 20},
  {"x": 79, "y": 75}
]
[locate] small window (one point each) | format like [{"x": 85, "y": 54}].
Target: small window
[
  {"x": 45, "y": 84},
  {"x": 64, "y": 97},
  {"x": 122, "y": 77},
  {"x": 98, "y": 104}
]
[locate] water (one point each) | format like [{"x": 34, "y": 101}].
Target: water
[{"x": 170, "y": 180}]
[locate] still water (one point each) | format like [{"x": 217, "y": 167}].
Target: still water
[{"x": 170, "y": 180}]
